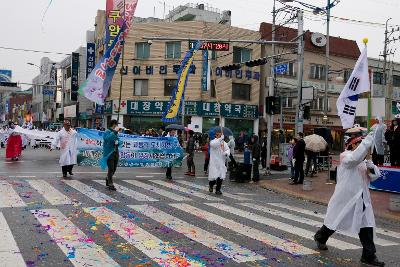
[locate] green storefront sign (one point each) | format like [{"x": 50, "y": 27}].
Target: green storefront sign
[{"x": 192, "y": 108}]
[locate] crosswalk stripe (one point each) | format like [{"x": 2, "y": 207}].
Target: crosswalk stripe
[
  {"x": 280, "y": 225},
  {"x": 51, "y": 194},
  {"x": 186, "y": 191},
  {"x": 10, "y": 255},
  {"x": 128, "y": 192},
  {"x": 322, "y": 216},
  {"x": 270, "y": 240},
  {"x": 78, "y": 247},
  {"x": 159, "y": 251},
  {"x": 89, "y": 191},
  {"x": 217, "y": 243},
  {"x": 307, "y": 221},
  {"x": 157, "y": 190},
  {"x": 8, "y": 197},
  {"x": 201, "y": 187}
]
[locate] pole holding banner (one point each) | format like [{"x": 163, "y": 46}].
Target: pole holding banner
[{"x": 365, "y": 41}]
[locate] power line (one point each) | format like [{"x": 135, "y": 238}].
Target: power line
[{"x": 33, "y": 51}]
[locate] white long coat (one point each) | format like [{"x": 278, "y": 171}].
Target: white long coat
[
  {"x": 219, "y": 151},
  {"x": 345, "y": 209},
  {"x": 68, "y": 146}
]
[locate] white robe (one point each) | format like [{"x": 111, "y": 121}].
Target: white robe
[
  {"x": 219, "y": 151},
  {"x": 345, "y": 209},
  {"x": 68, "y": 146}
]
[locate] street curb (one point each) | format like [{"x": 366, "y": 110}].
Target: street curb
[{"x": 277, "y": 189}]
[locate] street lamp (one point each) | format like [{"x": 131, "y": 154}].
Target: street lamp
[{"x": 39, "y": 67}]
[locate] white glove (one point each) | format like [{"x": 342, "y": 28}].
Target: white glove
[{"x": 370, "y": 164}]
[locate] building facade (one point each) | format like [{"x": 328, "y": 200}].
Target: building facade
[
  {"x": 232, "y": 97},
  {"x": 343, "y": 56}
]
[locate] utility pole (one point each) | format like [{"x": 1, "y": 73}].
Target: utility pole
[
  {"x": 385, "y": 54},
  {"x": 328, "y": 18},
  {"x": 271, "y": 83},
  {"x": 300, "y": 60}
]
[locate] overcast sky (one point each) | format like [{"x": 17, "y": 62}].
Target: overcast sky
[{"x": 63, "y": 28}]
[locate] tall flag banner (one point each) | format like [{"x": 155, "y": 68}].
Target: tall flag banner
[
  {"x": 357, "y": 84},
  {"x": 96, "y": 87},
  {"x": 205, "y": 74},
  {"x": 178, "y": 95},
  {"x": 115, "y": 17}
]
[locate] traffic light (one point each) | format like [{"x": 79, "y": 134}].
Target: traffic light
[
  {"x": 272, "y": 105},
  {"x": 8, "y": 84},
  {"x": 306, "y": 113},
  {"x": 256, "y": 62},
  {"x": 231, "y": 67}
]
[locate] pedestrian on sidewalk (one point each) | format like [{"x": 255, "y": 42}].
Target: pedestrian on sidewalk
[
  {"x": 378, "y": 154},
  {"x": 111, "y": 153},
  {"x": 168, "y": 175},
  {"x": 190, "y": 149},
  {"x": 350, "y": 209},
  {"x": 255, "y": 154},
  {"x": 219, "y": 151},
  {"x": 298, "y": 154},
  {"x": 66, "y": 139},
  {"x": 392, "y": 136},
  {"x": 263, "y": 144},
  {"x": 289, "y": 154},
  {"x": 206, "y": 149}
]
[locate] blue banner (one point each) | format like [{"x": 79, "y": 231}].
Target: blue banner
[
  {"x": 136, "y": 151},
  {"x": 90, "y": 58},
  {"x": 204, "y": 72}
]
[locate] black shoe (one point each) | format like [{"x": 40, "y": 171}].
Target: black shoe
[
  {"x": 65, "y": 176},
  {"x": 70, "y": 173},
  {"x": 293, "y": 182},
  {"x": 106, "y": 182},
  {"x": 372, "y": 262},
  {"x": 320, "y": 245},
  {"x": 218, "y": 192},
  {"x": 112, "y": 188},
  {"x": 211, "y": 188},
  {"x": 168, "y": 177}
]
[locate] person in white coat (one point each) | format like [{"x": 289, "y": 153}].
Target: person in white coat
[
  {"x": 350, "y": 209},
  {"x": 219, "y": 151},
  {"x": 66, "y": 137},
  {"x": 378, "y": 153}
]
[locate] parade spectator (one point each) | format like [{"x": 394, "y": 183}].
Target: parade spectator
[
  {"x": 264, "y": 152},
  {"x": 378, "y": 154},
  {"x": 255, "y": 154},
  {"x": 298, "y": 154},
  {"x": 289, "y": 154},
  {"x": 350, "y": 208},
  {"x": 392, "y": 137},
  {"x": 206, "y": 149},
  {"x": 68, "y": 145},
  {"x": 190, "y": 149}
]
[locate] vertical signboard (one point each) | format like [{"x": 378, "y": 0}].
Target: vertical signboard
[
  {"x": 205, "y": 72},
  {"x": 90, "y": 58},
  {"x": 74, "y": 76}
]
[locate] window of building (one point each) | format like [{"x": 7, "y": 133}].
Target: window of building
[
  {"x": 241, "y": 91},
  {"x": 396, "y": 80},
  {"x": 377, "y": 78},
  {"x": 173, "y": 50},
  {"x": 347, "y": 74},
  {"x": 169, "y": 85},
  {"x": 287, "y": 102},
  {"x": 213, "y": 92},
  {"x": 142, "y": 50},
  {"x": 317, "y": 72},
  {"x": 241, "y": 54},
  {"x": 214, "y": 55},
  {"x": 140, "y": 87},
  {"x": 319, "y": 104}
]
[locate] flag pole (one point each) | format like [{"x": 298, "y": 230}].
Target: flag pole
[
  {"x": 122, "y": 73},
  {"x": 365, "y": 41}
]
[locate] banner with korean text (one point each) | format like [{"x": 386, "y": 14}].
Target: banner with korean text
[
  {"x": 136, "y": 151},
  {"x": 178, "y": 95}
]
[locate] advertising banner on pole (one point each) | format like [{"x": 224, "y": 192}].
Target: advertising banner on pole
[
  {"x": 90, "y": 58},
  {"x": 136, "y": 151},
  {"x": 74, "y": 76}
]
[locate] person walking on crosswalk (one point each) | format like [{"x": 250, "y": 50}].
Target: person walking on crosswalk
[
  {"x": 350, "y": 209},
  {"x": 219, "y": 151},
  {"x": 110, "y": 153},
  {"x": 66, "y": 139},
  {"x": 168, "y": 174}
]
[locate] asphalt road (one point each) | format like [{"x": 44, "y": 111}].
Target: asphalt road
[{"x": 47, "y": 221}]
